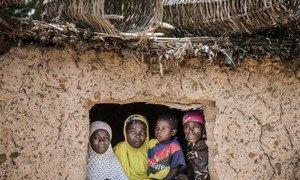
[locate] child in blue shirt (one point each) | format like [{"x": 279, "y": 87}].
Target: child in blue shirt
[{"x": 166, "y": 157}]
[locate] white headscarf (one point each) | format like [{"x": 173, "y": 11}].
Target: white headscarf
[{"x": 106, "y": 165}]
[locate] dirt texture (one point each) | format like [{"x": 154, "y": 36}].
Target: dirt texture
[{"x": 46, "y": 94}]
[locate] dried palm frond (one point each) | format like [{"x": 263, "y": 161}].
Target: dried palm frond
[
  {"x": 5, "y": 3},
  {"x": 113, "y": 17},
  {"x": 286, "y": 31},
  {"x": 216, "y": 17}
]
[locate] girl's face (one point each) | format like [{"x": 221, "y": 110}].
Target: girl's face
[
  {"x": 193, "y": 131},
  {"x": 164, "y": 131},
  {"x": 100, "y": 141},
  {"x": 136, "y": 133}
]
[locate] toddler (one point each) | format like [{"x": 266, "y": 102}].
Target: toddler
[{"x": 166, "y": 157}]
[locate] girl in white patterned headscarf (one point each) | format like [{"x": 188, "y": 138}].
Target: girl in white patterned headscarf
[{"x": 102, "y": 162}]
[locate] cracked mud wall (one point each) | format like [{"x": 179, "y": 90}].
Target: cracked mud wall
[{"x": 253, "y": 111}]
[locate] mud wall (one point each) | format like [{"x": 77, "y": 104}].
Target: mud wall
[{"x": 45, "y": 96}]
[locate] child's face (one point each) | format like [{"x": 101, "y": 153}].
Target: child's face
[
  {"x": 164, "y": 131},
  {"x": 193, "y": 131},
  {"x": 100, "y": 141},
  {"x": 136, "y": 134}
]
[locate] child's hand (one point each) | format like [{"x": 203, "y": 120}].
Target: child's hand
[{"x": 182, "y": 177}]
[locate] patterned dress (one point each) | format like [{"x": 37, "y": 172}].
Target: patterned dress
[
  {"x": 104, "y": 166},
  {"x": 197, "y": 161}
]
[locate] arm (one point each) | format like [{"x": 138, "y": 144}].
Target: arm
[
  {"x": 176, "y": 161},
  {"x": 172, "y": 173},
  {"x": 182, "y": 177}
]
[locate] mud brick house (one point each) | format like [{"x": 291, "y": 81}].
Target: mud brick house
[{"x": 56, "y": 78}]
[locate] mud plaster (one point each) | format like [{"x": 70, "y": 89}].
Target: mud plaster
[{"x": 252, "y": 112}]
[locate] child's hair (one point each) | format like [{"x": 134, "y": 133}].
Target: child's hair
[{"x": 170, "y": 118}]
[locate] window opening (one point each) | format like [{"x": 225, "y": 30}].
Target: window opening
[{"x": 115, "y": 115}]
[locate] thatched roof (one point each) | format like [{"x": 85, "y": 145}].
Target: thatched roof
[
  {"x": 177, "y": 18},
  {"x": 215, "y": 18},
  {"x": 113, "y": 17},
  {"x": 22, "y": 31},
  {"x": 5, "y": 3},
  {"x": 76, "y": 30}
]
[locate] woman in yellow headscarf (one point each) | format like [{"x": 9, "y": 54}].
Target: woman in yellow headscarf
[{"x": 132, "y": 153}]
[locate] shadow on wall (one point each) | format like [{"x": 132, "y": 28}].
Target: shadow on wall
[{"x": 115, "y": 115}]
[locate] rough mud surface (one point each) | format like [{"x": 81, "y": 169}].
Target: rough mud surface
[{"x": 45, "y": 96}]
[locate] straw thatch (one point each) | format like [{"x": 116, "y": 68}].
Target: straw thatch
[
  {"x": 17, "y": 31},
  {"x": 112, "y": 17},
  {"x": 124, "y": 25},
  {"x": 216, "y": 17},
  {"x": 5, "y": 3},
  {"x": 286, "y": 31}
]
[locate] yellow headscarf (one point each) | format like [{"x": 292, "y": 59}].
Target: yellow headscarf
[{"x": 134, "y": 160}]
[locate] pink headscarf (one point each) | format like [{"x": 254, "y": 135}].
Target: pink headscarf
[
  {"x": 195, "y": 116},
  {"x": 96, "y": 125}
]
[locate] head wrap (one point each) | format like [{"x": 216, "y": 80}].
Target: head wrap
[
  {"x": 134, "y": 160},
  {"x": 96, "y": 125},
  {"x": 195, "y": 116},
  {"x": 106, "y": 165},
  {"x": 135, "y": 117}
]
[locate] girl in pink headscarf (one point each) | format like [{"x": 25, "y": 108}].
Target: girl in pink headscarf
[
  {"x": 102, "y": 162},
  {"x": 196, "y": 151}
]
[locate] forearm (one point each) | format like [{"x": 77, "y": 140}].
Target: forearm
[{"x": 172, "y": 173}]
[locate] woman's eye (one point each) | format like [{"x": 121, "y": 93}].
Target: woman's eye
[
  {"x": 132, "y": 132},
  {"x": 196, "y": 127}
]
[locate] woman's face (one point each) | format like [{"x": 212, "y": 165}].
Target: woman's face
[
  {"x": 136, "y": 133},
  {"x": 100, "y": 141},
  {"x": 193, "y": 131}
]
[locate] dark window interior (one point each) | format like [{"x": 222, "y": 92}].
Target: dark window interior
[{"x": 115, "y": 115}]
